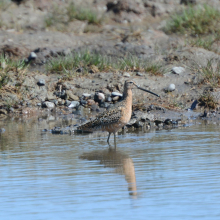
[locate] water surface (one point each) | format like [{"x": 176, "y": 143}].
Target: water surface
[{"x": 153, "y": 175}]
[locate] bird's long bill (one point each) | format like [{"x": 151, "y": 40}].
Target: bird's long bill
[{"x": 148, "y": 91}]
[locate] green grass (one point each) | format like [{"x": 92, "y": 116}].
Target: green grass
[
  {"x": 102, "y": 63},
  {"x": 206, "y": 42},
  {"x": 198, "y": 20},
  {"x": 8, "y": 65},
  {"x": 60, "y": 17},
  {"x": 210, "y": 73}
]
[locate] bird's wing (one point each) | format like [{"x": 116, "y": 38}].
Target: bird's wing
[{"x": 105, "y": 118}]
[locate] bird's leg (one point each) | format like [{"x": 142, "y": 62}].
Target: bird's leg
[
  {"x": 108, "y": 138},
  {"x": 115, "y": 140}
]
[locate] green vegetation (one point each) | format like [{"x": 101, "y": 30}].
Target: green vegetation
[
  {"x": 88, "y": 61},
  {"x": 210, "y": 73},
  {"x": 198, "y": 20},
  {"x": 60, "y": 17},
  {"x": 208, "y": 101},
  {"x": 8, "y": 65}
]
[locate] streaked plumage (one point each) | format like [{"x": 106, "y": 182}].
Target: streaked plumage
[{"x": 117, "y": 116}]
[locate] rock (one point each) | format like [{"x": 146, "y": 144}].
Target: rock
[
  {"x": 3, "y": 112},
  {"x": 86, "y": 95},
  {"x": 41, "y": 82},
  {"x": 168, "y": 121},
  {"x": 125, "y": 74},
  {"x": 194, "y": 105},
  {"x": 131, "y": 122},
  {"x": 171, "y": 88},
  {"x": 31, "y": 57},
  {"x": 50, "y": 96},
  {"x": 104, "y": 105},
  {"x": 2, "y": 130},
  {"x": 178, "y": 70},
  {"x": 116, "y": 98},
  {"x": 94, "y": 107},
  {"x": 108, "y": 98},
  {"x": 56, "y": 130},
  {"x": 90, "y": 102},
  {"x": 71, "y": 96},
  {"x": 67, "y": 102},
  {"x": 74, "y": 104},
  {"x": 48, "y": 105},
  {"x": 139, "y": 74},
  {"x": 99, "y": 97},
  {"x": 116, "y": 94},
  {"x": 83, "y": 102}
]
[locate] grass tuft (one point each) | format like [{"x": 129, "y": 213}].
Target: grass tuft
[
  {"x": 89, "y": 61},
  {"x": 208, "y": 101},
  {"x": 210, "y": 73},
  {"x": 60, "y": 17},
  {"x": 195, "y": 21}
]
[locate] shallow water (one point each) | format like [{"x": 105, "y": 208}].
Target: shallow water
[{"x": 155, "y": 175}]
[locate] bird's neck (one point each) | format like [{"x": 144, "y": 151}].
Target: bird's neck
[{"x": 127, "y": 95}]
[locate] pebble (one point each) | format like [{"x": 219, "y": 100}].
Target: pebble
[
  {"x": 139, "y": 74},
  {"x": 83, "y": 102},
  {"x": 73, "y": 104},
  {"x": 117, "y": 94},
  {"x": 171, "y": 88},
  {"x": 2, "y": 130},
  {"x": 100, "y": 96},
  {"x": 104, "y": 105},
  {"x": 41, "y": 82},
  {"x": 194, "y": 105},
  {"x": 87, "y": 95},
  {"x": 116, "y": 98},
  {"x": 178, "y": 70},
  {"x": 90, "y": 102},
  {"x": 71, "y": 96},
  {"x": 94, "y": 107},
  {"x": 168, "y": 122},
  {"x": 48, "y": 104},
  {"x": 67, "y": 102},
  {"x": 32, "y": 56},
  {"x": 126, "y": 74},
  {"x": 108, "y": 99}
]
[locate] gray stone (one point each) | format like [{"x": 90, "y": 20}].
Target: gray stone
[
  {"x": 139, "y": 74},
  {"x": 178, "y": 70},
  {"x": 116, "y": 94},
  {"x": 171, "y": 88},
  {"x": 67, "y": 102},
  {"x": 73, "y": 104},
  {"x": 126, "y": 74},
  {"x": 2, "y": 130},
  {"x": 71, "y": 96},
  {"x": 87, "y": 95},
  {"x": 41, "y": 82},
  {"x": 48, "y": 105},
  {"x": 100, "y": 96}
]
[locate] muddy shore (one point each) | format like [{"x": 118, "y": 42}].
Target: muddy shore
[{"x": 29, "y": 87}]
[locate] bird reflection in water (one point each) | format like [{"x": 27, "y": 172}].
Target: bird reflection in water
[{"x": 122, "y": 163}]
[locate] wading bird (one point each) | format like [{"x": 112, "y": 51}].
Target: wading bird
[{"x": 117, "y": 116}]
